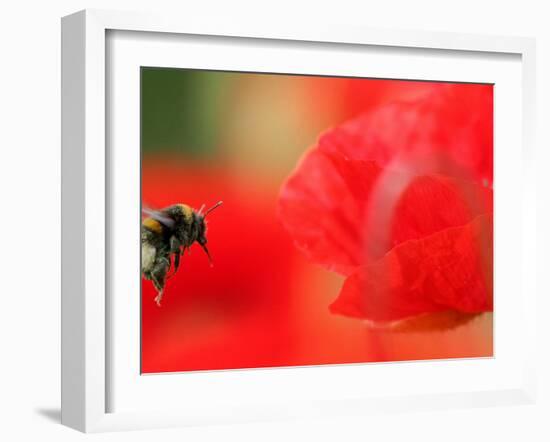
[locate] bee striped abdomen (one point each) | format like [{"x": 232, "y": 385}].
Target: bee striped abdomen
[{"x": 153, "y": 225}]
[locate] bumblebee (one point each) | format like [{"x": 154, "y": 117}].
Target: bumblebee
[{"x": 165, "y": 236}]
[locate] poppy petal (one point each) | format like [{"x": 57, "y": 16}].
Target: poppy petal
[
  {"x": 448, "y": 130},
  {"x": 428, "y": 204},
  {"x": 344, "y": 213},
  {"x": 433, "y": 322},
  {"x": 451, "y": 269},
  {"x": 322, "y": 206}
]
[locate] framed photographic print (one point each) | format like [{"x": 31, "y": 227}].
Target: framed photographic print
[{"x": 267, "y": 223}]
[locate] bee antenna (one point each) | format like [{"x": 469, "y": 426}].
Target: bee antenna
[
  {"x": 215, "y": 206},
  {"x": 201, "y": 209}
]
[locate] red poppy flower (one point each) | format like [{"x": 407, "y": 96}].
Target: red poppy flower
[{"x": 399, "y": 200}]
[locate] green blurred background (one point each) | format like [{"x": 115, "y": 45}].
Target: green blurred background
[{"x": 259, "y": 123}]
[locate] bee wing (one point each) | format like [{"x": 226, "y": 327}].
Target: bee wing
[{"x": 159, "y": 216}]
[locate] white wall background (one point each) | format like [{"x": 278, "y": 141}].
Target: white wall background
[{"x": 30, "y": 220}]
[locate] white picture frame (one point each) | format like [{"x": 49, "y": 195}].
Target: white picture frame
[{"x": 86, "y": 353}]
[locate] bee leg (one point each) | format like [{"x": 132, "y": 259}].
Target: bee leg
[
  {"x": 177, "y": 256},
  {"x": 175, "y": 248},
  {"x": 175, "y": 244},
  {"x": 158, "y": 276},
  {"x": 159, "y": 286},
  {"x": 158, "y": 298}
]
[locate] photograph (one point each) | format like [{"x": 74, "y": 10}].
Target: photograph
[{"x": 303, "y": 220}]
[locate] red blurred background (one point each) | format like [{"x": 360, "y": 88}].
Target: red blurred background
[{"x": 210, "y": 136}]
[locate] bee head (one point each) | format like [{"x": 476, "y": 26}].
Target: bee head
[{"x": 201, "y": 224}]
